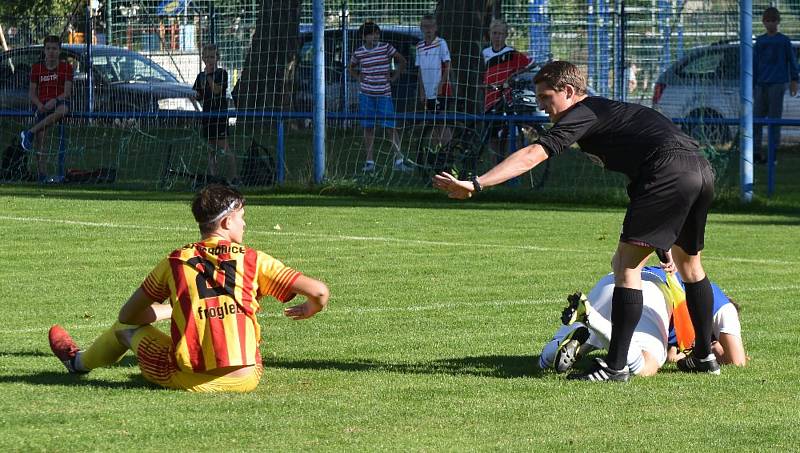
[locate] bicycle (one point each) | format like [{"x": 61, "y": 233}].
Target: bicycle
[{"x": 466, "y": 153}]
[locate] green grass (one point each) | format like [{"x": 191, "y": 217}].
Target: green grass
[{"x": 438, "y": 312}]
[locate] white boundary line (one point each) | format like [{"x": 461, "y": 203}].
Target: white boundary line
[
  {"x": 342, "y": 311},
  {"x": 368, "y": 239}
]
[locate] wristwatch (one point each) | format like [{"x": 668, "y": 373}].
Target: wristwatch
[{"x": 476, "y": 184}]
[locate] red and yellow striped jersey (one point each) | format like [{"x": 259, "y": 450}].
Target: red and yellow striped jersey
[{"x": 214, "y": 287}]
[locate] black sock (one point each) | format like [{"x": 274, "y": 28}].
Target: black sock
[
  {"x": 626, "y": 309},
  {"x": 700, "y": 301}
]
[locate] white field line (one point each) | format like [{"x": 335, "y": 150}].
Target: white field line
[
  {"x": 344, "y": 311},
  {"x": 401, "y": 241},
  {"x": 333, "y": 311}
]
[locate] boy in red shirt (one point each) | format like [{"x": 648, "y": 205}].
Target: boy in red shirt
[{"x": 50, "y": 90}]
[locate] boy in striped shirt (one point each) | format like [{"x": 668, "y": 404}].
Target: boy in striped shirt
[
  {"x": 371, "y": 65},
  {"x": 213, "y": 288}
]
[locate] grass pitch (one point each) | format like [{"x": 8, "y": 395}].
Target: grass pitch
[{"x": 438, "y": 312}]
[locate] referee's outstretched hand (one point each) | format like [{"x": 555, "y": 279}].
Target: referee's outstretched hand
[{"x": 454, "y": 188}]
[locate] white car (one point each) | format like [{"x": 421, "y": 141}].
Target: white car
[{"x": 705, "y": 84}]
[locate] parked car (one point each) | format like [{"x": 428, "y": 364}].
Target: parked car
[
  {"x": 123, "y": 81},
  {"x": 705, "y": 84},
  {"x": 404, "y": 91}
]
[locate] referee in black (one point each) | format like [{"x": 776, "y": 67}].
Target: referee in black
[{"x": 671, "y": 188}]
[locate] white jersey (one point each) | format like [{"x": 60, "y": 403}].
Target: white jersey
[
  {"x": 430, "y": 58},
  {"x": 652, "y": 331}
]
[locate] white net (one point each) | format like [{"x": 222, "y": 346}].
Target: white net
[{"x": 139, "y": 121}]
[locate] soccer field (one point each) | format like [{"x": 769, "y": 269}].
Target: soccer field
[{"x": 438, "y": 312}]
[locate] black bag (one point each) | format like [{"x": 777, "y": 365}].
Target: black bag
[
  {"x": 15, "y": 164},
  {"x": 258, "y": 168},
  {"x": 99, "y": 176}
]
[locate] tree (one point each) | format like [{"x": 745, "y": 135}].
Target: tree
[
  {"x": 268, "y": 72},
  {"x": 465, "y": 23},
  {"x": 20, "y": 8}
]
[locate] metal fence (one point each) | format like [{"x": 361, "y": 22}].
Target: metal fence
[{"x": 623, "y": 50}]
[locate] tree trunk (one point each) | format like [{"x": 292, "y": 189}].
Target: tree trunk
[
  {"x": 464, "y": 24},
  {"x": 268, "y": 72}
]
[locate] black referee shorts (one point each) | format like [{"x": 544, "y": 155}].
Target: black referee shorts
[{"x": 669, "y": 202}]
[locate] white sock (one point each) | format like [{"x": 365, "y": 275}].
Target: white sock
[
  {"x": 600, "y": 326},
  {"x": 78, "y": 362}
]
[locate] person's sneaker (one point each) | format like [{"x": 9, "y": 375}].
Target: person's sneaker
[
  {"x": 575, "y": 311},
  {"x": 369, "y": 166},
  {"x": 64, "y": 348},
  {"x": 601, "y": 372},
  {"x": 568, "y": 349},
  {"x": 692, "y": 364},
  {"x": 26, "y": 140},
  {"x": 400, "y": 165}
]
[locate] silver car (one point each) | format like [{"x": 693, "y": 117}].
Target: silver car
[{"x": 705, "y": 84}]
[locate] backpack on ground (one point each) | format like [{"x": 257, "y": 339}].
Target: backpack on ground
[{"x": 258, "y": 167}]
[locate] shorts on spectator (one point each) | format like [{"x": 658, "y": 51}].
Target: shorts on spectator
[
  {"x": 39, "y": 116},
  {"x": 375, "y": 106},
  {"x": 439, "y": 104}
]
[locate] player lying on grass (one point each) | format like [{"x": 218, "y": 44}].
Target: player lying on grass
[
  {"x": 589, "y": 324},
  {"x": 213, "y": 288}
]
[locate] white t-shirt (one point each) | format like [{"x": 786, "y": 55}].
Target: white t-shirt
[{"x": 430, "y": 58}]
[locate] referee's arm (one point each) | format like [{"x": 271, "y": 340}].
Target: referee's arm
[{"x": 514, "y": 165}]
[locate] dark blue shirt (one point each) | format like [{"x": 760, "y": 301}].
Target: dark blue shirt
[{"x": 774, "y": 60}]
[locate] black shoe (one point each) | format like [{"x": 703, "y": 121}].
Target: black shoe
[
  {"x": 601, "y": 372},
  {"x": 692, "y": 364},
  {"x": 575, "y": 311},
  {"x": 568, "y": 349}
]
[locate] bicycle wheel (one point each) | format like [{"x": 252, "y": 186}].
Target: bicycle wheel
[{"x": 461, "y": 156}]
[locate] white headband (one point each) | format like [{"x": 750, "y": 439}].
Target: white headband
[{"x": 224, "y": 212}]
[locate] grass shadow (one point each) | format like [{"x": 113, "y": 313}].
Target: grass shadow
[
  {"x": 497, "y": 366},
  {"x": 53, "y": 378}
]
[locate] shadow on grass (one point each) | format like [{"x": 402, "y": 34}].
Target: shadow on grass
[
  {"x": 52, "y": 378},
  {"x": 63, "y": 378},
  {"x": 497, "y": 366}
]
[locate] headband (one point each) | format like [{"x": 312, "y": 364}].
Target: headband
[{"x": 231, "y": 207}]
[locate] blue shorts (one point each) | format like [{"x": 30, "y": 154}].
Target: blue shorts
[
  {"x": 372, "y": 106},
  {"x": 39, "y": 116}
]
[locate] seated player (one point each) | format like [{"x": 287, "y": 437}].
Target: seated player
[
  {"x": 588, "y": 327},
  {"x": 214, "y": 288}
]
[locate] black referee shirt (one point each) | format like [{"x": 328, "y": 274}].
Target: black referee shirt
[{"x": 617, "y": 135}]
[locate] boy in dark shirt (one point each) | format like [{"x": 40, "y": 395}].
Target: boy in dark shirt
[
  {"x": 774, "y": 65},
  {"x": 211, "y": 87},
  {"x": 671, "y": 188}
]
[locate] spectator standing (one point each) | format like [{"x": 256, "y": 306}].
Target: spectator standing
[
  {"x": 501, "y": 62},
  {"x": 774, "y": 65},
  {"x": 371, "y": 65},
  {"x": 433, "y": 61},
  {"x": 211, "y": 87}
]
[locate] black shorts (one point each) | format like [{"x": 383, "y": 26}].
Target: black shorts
[
  {"x": 215, "y": 130},
  {"x": 669, "y": 202},
  {"x": 436, "y": 105}
]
